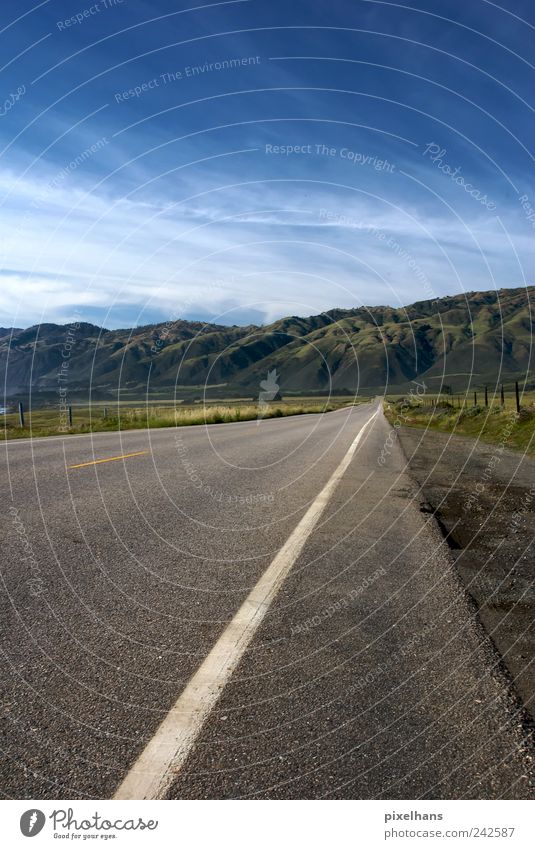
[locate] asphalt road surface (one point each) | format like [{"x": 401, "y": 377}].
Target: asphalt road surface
[{"x": 366, "y": 675}]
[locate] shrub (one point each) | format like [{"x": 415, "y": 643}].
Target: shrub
[{"x": 469, "y": 412}]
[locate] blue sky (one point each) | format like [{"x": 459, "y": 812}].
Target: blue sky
[{"x": 241, "y": 161}]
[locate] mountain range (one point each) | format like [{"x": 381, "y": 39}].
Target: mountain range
[{"x": 475, "y": 338}]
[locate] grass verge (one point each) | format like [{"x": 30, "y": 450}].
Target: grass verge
[
  {"x": 495, "y": 424},
  {"x": 45, "y": 422}
]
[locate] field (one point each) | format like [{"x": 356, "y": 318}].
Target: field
[
  {"x": 497, "y": 424},
  {"x": 48, "y": 421}
]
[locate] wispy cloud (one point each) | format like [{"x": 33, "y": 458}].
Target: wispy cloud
[{"x": 80, "y": 248}]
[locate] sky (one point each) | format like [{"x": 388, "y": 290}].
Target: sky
[{"x": 241, "y": 161}]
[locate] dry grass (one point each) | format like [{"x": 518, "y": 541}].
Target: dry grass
[
  {"x": 496, "y": 424},
  {"x": 46, "y": 422}
]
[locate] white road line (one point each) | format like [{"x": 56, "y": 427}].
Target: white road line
[{"x": 152, "y": 774}]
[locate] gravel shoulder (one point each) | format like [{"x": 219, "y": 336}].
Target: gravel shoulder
[{"x": 483, "y": 497}]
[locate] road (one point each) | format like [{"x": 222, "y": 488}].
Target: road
[{"x": 362, "y": 673}]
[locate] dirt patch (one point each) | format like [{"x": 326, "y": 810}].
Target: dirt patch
[{"x": 483, "y": 498}]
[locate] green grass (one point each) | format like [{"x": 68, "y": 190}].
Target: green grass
[
  {"x": 46, "y": 421},
  {"x": 495, "y": 424}
]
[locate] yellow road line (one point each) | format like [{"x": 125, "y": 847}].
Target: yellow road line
[{"x": 108, "y": 460}]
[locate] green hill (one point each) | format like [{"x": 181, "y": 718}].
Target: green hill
[{"x": 487, "y": 335}]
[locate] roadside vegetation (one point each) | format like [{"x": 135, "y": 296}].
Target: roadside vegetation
[
  {"x": 496, "y": 424},
  {"x": 85, "y": 419}
]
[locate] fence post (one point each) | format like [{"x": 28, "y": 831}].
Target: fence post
[
  {"x": 486, "y": 397},
  {"x": 517, "y": 397},
  {"x": 21, "y": 414},
  {"x": 69, "y": 413},
  {"x": 105, "y": 413},
  {"x": 475, "y": 399},
  {"x": 502, "y": 397}
]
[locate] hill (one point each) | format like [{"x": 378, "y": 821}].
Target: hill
[{"x": 483, "y": 334}]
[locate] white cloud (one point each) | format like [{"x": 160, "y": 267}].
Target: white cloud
[{"x": 267, "y": 246}]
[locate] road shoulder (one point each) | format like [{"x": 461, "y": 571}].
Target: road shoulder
[{"x": 483, "y": 497}]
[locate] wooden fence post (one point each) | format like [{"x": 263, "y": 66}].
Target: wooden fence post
[
  {"x": 21, "y": 414},
  {"x": 517, "y": 397}
]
